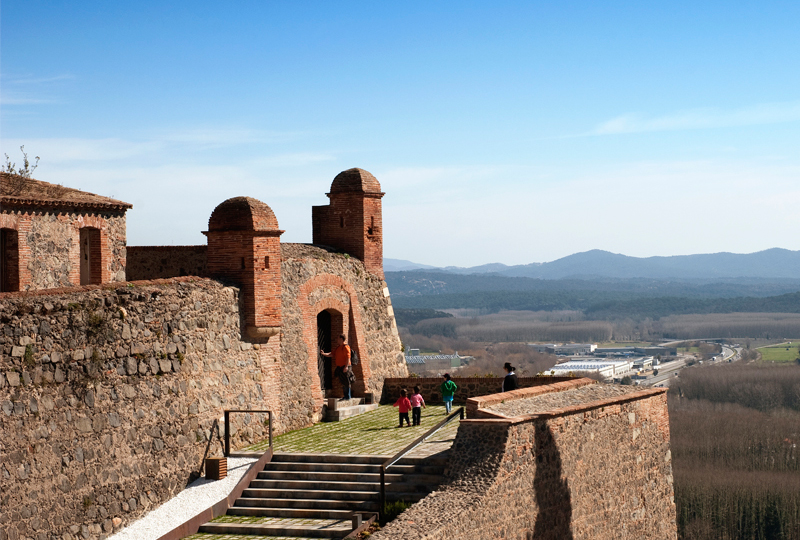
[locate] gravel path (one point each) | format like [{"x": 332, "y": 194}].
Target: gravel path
[
  {"x": 558, "y": 400},
  {"x": 198, "y": 496}
]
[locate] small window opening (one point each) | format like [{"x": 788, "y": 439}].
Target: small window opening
[
  {"x": 371, "y": 228},
  {"x": 242, "y": 263},
  {"x": 266, "y": 262},
  {"x": 341, "y": 221}
]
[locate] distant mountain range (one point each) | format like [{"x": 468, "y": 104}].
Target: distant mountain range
[{"x": 773, "y": 263}]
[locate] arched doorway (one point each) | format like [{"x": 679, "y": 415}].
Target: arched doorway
[
  {"x": 9, "y": 260},
  {"x": 330, "y": 324},
  {"x": 324, "y": 341}
]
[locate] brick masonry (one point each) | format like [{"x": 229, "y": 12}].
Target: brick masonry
[{"x": 599, "y": 470}]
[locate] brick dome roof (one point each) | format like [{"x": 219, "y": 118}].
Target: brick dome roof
[
  {"x": 242, "y": 214},
  {"x": 355, "y": 180}
]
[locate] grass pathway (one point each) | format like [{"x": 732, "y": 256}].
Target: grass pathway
[{"x": 373, "y": 433}]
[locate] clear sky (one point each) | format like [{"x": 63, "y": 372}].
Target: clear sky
[{"x": 511, "y": 132}]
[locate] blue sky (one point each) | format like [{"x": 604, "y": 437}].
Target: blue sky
[{"x": 511, "y": 132}]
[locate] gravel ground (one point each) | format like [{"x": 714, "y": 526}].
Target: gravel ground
[
  {"x": 558, "y": 400},
  {"x": 198, "y": 496}
]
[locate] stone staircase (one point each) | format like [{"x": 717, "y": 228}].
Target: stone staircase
[
  {"x": 316, "y": 495},
  {"x": 340, "y": 409}
]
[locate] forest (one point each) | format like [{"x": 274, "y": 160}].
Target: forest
[
  {"x": 734, "y": 435},
  {"x": 600, "y": 299}
]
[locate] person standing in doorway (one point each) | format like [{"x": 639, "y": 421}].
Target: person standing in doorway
[
  {"x": 341, "y": 359},
  {"x": 448, "y": 388},
  {"x": 510, "y": 380}
]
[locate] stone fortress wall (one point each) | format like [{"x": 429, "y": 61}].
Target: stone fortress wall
[
  {"x": 599, "y": 469},
  {"x": 108, "y": 392},
  {"x": 108, "y": 397},
  {"x": 111, "y": 392}
]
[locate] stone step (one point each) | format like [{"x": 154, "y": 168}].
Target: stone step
[
  {"x": 319, "y": 476},
  {"x": 291, "y": 527},
  {"x": 329, "y": 486},
  {"x": 278, "y": 493},
  {"x": 350, "y": 459},
  {"x": 342, "y": 413},
  {"x": 212, "y": 536},
  {"x": 301, "y": 513},
  {"x": 352, "y": 467},
  {"x": 327, "y": 458},
  {"x": 325, "y": 504}
]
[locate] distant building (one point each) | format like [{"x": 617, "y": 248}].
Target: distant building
[
  {"x": 607, "y": 368},
  {"x": 437, "y": 362},
  {"x": 641, "y": 351},
  {"x": 568, "y": 349}
]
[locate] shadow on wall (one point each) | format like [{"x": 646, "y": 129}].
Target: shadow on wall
[{"x": 551, "y": 490}]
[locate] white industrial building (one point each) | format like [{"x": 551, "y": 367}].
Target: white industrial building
[{"x": 609, "y": 369}]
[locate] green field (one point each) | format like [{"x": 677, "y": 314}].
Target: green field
[{"x": 779, "y": 353}]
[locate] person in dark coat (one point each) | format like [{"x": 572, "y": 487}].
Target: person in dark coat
[{"x": 510, "y": 380}]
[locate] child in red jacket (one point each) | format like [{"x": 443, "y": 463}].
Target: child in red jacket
[{"x": 404, "y": 406}]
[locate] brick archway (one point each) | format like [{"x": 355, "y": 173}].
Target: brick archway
[{"x": 351, "y": 326}]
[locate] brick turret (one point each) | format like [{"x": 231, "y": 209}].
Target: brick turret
[
  {"x": 352, "y": 221},
  {"x": 244, "y": 246}
]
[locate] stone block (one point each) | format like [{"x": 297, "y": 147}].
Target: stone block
[{"x": 13, "y": 378}]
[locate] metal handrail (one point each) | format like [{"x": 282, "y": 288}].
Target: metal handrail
[
  {"x": 228, "y": 426},
  {"x": 398, "y": 456}
]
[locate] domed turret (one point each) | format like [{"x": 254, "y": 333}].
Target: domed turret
[
  {"x": 244, "y": 247},
  {"x": 355, "y": 181},
  {"x": 352, "y": 222},
  {"x": 243, "y": 214}
]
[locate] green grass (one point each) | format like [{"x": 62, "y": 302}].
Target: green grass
[
  {"x": 779, "y": 353},
  {"x": 374, "y": 432}
]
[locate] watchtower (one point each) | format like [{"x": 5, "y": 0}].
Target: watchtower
[
  {"x": 244, "y": 246},
  {"x": 352, "y": 221}
]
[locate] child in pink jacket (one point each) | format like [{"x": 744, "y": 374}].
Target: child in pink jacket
[
  {"x": 404, "y": 406},
  {"x": 416, "y": 406}
]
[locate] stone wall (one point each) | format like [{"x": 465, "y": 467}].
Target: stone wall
[
  {"x": 597, "y": 471},
  {"x": 315, "y": 279},
  {"x": 154, "y": 262},
  {"x": 468, "y": 387},
  {"x": 107, "y": 396}
]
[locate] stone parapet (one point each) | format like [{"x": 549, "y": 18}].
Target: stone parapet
[
  {"x": 596, "y": 470},
  {"x": 468, "y": 387}
]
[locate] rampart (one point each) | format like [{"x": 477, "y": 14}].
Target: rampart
[
  {"x": 108, "y": 396},
  {"x": 589, "y": 461},
  {"x": 468, "y": 387},
  {"x": 108, "y": 392}
]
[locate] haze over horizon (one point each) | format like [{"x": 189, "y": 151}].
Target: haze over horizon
[
  {"x": 487, "y": 263},
  {"x": 512, "y": 131}
]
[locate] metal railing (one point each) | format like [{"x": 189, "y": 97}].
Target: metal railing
[
  {"x": 227, "y": 450},
  {"x": 398, "y": 456}
]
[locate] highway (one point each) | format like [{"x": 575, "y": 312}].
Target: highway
[{"x": 669, "y": 370}]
